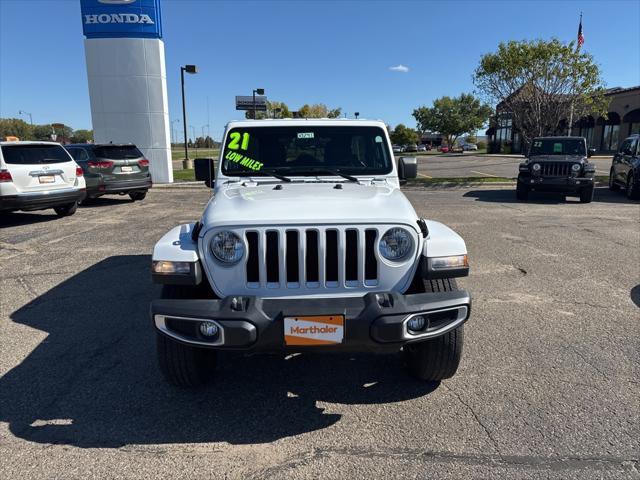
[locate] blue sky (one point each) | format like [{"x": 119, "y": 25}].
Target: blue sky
[{"x": 334, "y": 52}]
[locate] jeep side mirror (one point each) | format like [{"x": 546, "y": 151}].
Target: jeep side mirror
[
  {"x": 205, "y": 170},
  {"x": 591, "y": 152},
  {"x": 407, "y": 168}
]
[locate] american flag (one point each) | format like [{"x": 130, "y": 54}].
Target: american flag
[{"x": 580, "y": 35}]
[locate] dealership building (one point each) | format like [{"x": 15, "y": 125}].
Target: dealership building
[{"x": 603, "y": 134}]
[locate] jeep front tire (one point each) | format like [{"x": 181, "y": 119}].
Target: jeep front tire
[
  {"x": 184, "y": 365},
  {"x": 438, "y": 358},
  {"x": 522, "y": 192}
]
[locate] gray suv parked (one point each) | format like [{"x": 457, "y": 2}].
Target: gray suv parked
[{"x": 112, "y": 169}]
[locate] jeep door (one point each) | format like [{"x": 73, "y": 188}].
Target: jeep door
[{"x": 39, "y": 167}]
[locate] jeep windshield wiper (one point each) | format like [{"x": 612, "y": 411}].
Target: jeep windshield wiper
[
  {"x": 272, "y": 172},
  {"x": 331, "y": 171}
]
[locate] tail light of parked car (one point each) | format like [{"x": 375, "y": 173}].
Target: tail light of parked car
[
  {"x": 5, "y": 176},
  {"x": 79, "y": 172},
  {"x": 102, "y": 164},
  {"x": 143, "y": 163}
]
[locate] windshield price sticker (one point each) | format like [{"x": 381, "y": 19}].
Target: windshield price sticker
[{"x": 305, "y": 135}]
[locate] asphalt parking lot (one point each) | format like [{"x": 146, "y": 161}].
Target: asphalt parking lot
[
  {"x": 548, "y": 386},
  {"x": 469, "y": 165}
]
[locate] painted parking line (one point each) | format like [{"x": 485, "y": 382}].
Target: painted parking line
[
  {"x": 425, "y": 176},
  {"x": 482, "y": 173}
]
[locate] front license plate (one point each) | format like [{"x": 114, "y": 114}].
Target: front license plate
[
  {"x": 127, "y": 169},
  {"x": 315, "y": 330},
  {"x": 47, "y": 178}
]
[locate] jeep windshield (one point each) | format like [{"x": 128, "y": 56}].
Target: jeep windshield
[
  {"x": 306, "y": 151},
  {"x": 558, "y": 146}
]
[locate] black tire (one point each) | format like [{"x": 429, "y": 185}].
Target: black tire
[
  {"x": 633, "y": 187},
  {"x": 586, "y": 194},
  {"x": 436, "y": 359},
  {"x": 135, "y": 196},
  {"x": 522, "y": 192},
  {"x": 184, "y": 365},
  {"x": 66, "y": 210},
  {"x": 613, "y": 186}
]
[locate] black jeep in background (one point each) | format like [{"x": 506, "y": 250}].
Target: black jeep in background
[
  {"x": 625, "y": 168},
  {"x": 557, "y": 164}
]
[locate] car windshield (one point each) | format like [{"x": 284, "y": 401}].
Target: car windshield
[
  {"x": 34, "y": 154},
  {"x": 558, "y": 146},
  {"x": 306, "y": 150},
  {"x": 117, "y": 152}
]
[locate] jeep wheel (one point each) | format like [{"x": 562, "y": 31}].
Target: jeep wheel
[
  {"x": 138, "y": 195},
  {"x": 586, "y": 194},
  {"x": 438, "y": 358},
  {"x": 184, "y": 365},
  {"x": 522, "y": 192},
  {"x": 66, "y": 210},
  {"x": 613, "y": 186},
  {"x": 633, "y": 188}
]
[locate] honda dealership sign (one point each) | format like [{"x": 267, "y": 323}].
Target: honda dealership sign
[
  {"x": 127, "y": 78},
  {"x": 121, "y": 18}
]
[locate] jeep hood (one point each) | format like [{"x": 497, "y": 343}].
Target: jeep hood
[{"x": 308, "y": 203}]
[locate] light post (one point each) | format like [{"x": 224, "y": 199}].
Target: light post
[
  {"x": 22, "y": 112},
  {"x": 193, "y": 132},
  {"x": 259, "y": 91},
  {"x": 189, "y": 69}
]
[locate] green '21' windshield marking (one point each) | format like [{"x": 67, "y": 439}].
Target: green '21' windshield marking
[{"x": 235, "y": 144}]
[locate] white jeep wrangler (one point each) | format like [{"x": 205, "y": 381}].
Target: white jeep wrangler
[{"x": 309, "y": 244}]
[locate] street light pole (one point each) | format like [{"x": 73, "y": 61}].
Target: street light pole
[
  {"x": 189, "y": 69},
  {"x": 22, "y": 112},
  {"x": 259, "y": 91}
]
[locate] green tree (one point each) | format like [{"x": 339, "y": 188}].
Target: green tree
[
  {"x": 471, "y": 139},
  {"x": 318, "y": 110},
  {"x": 403, "y": 135},
  {"x": 82, "y": 136},
  {"x": 42, "y": 132},
  {"x": 540, "y": 83},
  {"x": 15, "y": 127},
  {"x": 453, "y": 116},
  {"x": 274, "y": 110}
]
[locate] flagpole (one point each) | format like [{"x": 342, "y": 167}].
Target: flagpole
[{"x": 571, "y": 110}]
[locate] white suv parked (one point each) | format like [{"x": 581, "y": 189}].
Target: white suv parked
[
  {"x": 39, "y": 175},
  {"x": 309, "y": 244}
]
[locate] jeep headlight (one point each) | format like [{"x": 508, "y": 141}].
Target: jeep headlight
[
  {"x": 575, "y": 167},
  {"x": 396, "y": 244},
  {"x": 535, "y": 167},
  {"x": 227, "y": 247}
]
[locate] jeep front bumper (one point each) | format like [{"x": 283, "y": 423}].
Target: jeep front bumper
[
  {"x": 374, "y": 322},
  {"x": 555, "y": 184}
]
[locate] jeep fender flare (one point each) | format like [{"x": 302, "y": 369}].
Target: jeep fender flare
[{"x": 177, "y": 245}]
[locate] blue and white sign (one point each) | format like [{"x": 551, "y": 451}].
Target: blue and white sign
[{"x": 121, "y": 18}]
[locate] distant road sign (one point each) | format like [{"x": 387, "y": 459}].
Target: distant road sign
[
  {"x": 57, "y": 125},
  {"x": 246, "y": 103}
]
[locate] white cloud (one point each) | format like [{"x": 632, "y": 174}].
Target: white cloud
[{"x": 399, "y": 68}]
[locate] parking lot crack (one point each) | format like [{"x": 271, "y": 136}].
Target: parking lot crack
[{"x": 477, "y": 418}]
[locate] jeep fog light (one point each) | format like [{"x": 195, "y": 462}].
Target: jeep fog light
[
  {"x": 396, "y": 244},
  {"x": 166, "y": 267},
  {"x": 417, "y": 323},
  {"x": 208, "y": 329},
  {"x": 444, "y": 263},
  {"x": 227, "y": 247}
]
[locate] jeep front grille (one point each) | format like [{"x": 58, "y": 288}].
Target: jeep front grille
[
  {"x": 311, "y": 257},
  {"x": 555, "y": 169}
]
